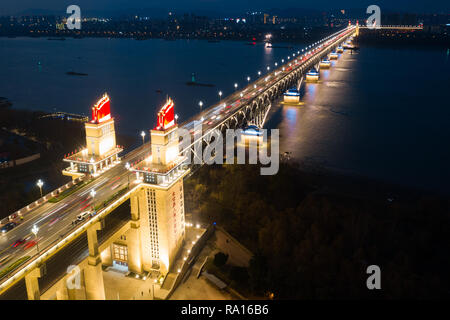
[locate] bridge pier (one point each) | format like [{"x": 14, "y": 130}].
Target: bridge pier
[
  {"x": 62, "y": 293},
  {"x": 93, "y": 276},
  {"x": 32, "y": 283}
]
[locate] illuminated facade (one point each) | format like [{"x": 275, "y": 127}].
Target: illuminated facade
[
  {"x": 334, "y": 56},
  {"x": 101, "y": 151},
  {"x": 157, "y": 208},
  {"x": 291, "y": 96},
  {"x": 325, "y": 64},
  {"x": 312, "y": 75}
]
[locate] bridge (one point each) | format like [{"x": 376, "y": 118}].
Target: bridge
[
  {"x": 391, "y": 27},
  {"x": 50, "y": 223}
]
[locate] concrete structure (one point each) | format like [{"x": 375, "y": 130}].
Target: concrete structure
[
  {"x": 334, "y": 55},
  {"x": 312, "y": 75},
  {"x": 158, "y": 207},
  {"x": 325, "y": 63},
  {"x": 101, "y": 150},
  {"x": 291, "y": 96},
  {"x": 95, "y": 289}
]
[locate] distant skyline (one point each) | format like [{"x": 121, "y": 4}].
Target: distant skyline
[{"x": 224, "y": 7}]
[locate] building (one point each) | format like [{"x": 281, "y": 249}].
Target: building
[
  {"x": 157, "y": 206},
  {"x": 101, "y": 151}
]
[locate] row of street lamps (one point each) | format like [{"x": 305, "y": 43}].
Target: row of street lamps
[
  {"x": 276, "y": 64},
  {"x": 200, "y": 103}
]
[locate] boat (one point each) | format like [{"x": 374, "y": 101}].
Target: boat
[
  {"x": 72, "y": 73},
  {"x": 198, "y": 84}
]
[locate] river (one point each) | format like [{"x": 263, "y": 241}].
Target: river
[{"x": 381, "y": 112}]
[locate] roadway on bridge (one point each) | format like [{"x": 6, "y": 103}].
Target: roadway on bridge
[{"x": 54, "y": 220}]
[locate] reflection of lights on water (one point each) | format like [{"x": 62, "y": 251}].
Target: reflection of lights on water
[
  {"x": 311, "y": 90},
  {"x": 291, "y": 115},
  {"x": 325, "y": 74}
]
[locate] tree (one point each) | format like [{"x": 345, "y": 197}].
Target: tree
[{"x": 220, "y": 259}]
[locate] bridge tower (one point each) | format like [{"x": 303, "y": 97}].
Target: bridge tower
[
  {"x": 101, "y": 150},
  {"x": 157, "y": 208}
]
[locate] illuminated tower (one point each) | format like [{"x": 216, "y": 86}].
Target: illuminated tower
[
  {"x": 101, "y": 150},
  {"x": 357, "y": 28},
  {"x": 100, "y": 133},
  {"x": 157, "y": 209}
]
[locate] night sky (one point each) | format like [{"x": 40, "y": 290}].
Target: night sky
[{"x": 219, "y": 6}]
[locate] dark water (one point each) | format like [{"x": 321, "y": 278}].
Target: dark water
[
  {"x": 380, "y": 113},
  {"x": 129, "y": 70}
]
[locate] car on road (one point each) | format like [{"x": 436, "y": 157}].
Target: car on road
[
  {"x": 81, "y": 217},
  {"x": 30, "y": 244},
  {"x": 18, "y": 242},
  {"x": 8, "y": 227}
]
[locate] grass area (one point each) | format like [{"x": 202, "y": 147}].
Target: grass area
[
  {"x": 13, "y": 266},
  {"x": 69, "y": 191},
  {"x": 110, "y": 199}
]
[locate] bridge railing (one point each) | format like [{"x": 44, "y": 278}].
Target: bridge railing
[{"x": 251, "y": 100}]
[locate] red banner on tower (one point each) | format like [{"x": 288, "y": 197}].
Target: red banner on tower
[
  {"x": 166, "y": 116},
  {"x": 101, "y": 110}
]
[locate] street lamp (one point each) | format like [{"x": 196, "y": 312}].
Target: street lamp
[
  {"x": 35, "y": 231},
  {"x": 127, "y": 166},
  {"x": 92, "y": 194},
  {"x": 200, "y": 104},
  {"x": 143, "y": 137},
  {"x": 259, "y": 73},
  {"x": 40, "y": 183},
  {"x": 220, "y": 95},
  {"x": 235, "y": 85},
  {"x": 248, "y": 79},
  {"x": 268, "y": 68}
]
